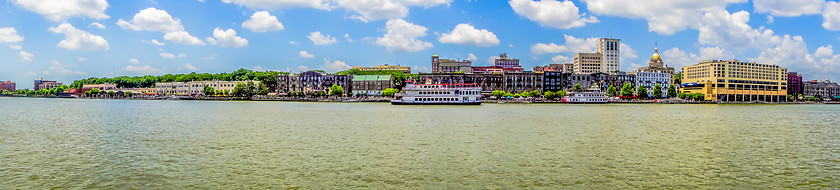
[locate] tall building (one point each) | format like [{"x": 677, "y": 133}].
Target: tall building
[
  {"x": 821, "y": 89},
  {"x": 587, "y": 63},
  {"x": 450, "y": 66},
  {"x": 506, "y": 62},
  {"x": 7, "y": 85},
  {"x": 611, "y": 50},
  {"x": 386, "y": 67},
  {"x": 794, "y": 84},
  {"x": 45, "y": 84},
  {"x": 736, "y": 81}
]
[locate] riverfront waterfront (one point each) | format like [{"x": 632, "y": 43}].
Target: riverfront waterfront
[{"x": 88, "y": 143}]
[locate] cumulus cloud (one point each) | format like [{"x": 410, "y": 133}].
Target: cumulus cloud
[
  {"x": 164, "y": 54},
  {"x": 305, "y": 54},
  {"x": 258, "y": 68},
  {"x": 294, "y": 42},
  {"x": 664, "y": 17},
  {"x": 262, "y": 21},
  {"x": 9, "y": 35},
  {"x": 472, "y": 57},
  {"x": 402, "y": 36},
  {"x": 385, "y": 9},
  {"x": 155, "y": 20},
  {"x": 60, "y": 10},
  {"x": 303, "y": 68},
  {"x": 143, "y": 70},
  {"x": 75, "y": 39},
  {"x": 788, "y": 8},
  {"x": 347, "y": 36},
  {"x": 561, "y": 59},
  {"x": 552, "y": 13},
  {"x": 82, "y": 58},
  {"x": 831, "y": 16},
  {"x": 466, "y": 34},
  {"x": 226, "y": 38},
  {"x": 678, "y": 58},
  {"x": 191, "y": 67},
  {"x": 572, "y": 45},
  {"x": 154, "y": 42},
  {"x": 421, "y": 69},
  {"x": 25, "y": 56},
  {"x": 320, "y": 39},
  {"x": 211, "y": 57},
  {"x": 17, "y": 47},
  {"x": 733, "y": 30},
  {"x": 282, "y": 4},
  {"x": 707, "y": 53},
  {"x": 134, "y": 61},
  {"x": 57, "y": 68},
  {"x": 97, "y": 25},
  {"x": 335, "y": 65}
]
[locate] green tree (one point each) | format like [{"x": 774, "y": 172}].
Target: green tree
[
  {"x": 389, "y": 92},
  {"x": 241, "y": 90},
  {"x": 672, "y": 91},
  {"x": 657, "y": 91},
  {"x": 612, "y": 91},
  {"x": 262, "y": 89},
  {"x": 791, "y": 98},
  {"x": 94, "y": 91},
  {"x": 336, "y": 90},
  {"x": 578, "y": 88},
  {"x": 128, "y": 94},
  {"x": 226, "y": 92},
  {"x": 498, "y": 93},
  {"x": 561, "y": 93},
  {"x": 517, "y": 95},
  {"x": 6, "y": 92},
  {"x": 627, "y": 90},
  {"x": 209, "y": 91},
  {"x": 508, "y": 94},
  {"x": 642, "y": 92},
  {"x": 534, "y": 93},
  {"x": 550, "y": 95}
]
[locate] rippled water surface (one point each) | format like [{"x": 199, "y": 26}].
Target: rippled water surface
[{"x": 118, "y": 144}]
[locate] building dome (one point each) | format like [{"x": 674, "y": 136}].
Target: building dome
[
  {"x": 655, "y": 55},
  {"x": 435, "y": 55}
]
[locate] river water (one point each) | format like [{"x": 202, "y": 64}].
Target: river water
[{"x": 120, "y": 144}]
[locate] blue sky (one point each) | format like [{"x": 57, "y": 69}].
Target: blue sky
[{"x": 71, "y": 39}]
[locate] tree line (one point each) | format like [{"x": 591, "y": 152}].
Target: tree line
[{"x": 148, "y": 81}]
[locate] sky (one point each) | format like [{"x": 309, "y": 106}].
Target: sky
[{"x": 66, "y": 40}]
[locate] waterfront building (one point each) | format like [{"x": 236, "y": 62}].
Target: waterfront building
[
  {"x": 587, "y": 63},
  {"x": 101, "y": 87},
  {"x": 555, "y": 81},
  {"x": 312, "y": 81},
  {"x": 195, "y": 87},
  {"x": 795, "y": 86},
  {"x": 371, "y": 84},
  {"x": 610, "y": 49},
  {"x": 564, "y": 68},
  {"x": 602, "y": 80},
  {"x": 509, "y": 82},
  {"x": 655, "y": 73},
  {"x": 525, "y": 81},
  {"x": 508, "y": 63},
  {"x": 824, "y": 90},
  {"x": 46, "y": 84},
  {"x": 7, "y": 85},
  {"x": 450, "y": 66},
  {"x": 386, "y": 67},
  {"x": 141, "y": 91},
  {"x": 494, "y": 70},
  {"x": 734, "y": 80}
]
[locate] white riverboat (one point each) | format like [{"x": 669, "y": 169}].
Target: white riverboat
[
  {"x": 438, "y": 94},
  {"x": 586, "y": 97}
]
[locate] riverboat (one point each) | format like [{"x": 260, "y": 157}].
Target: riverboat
[
  {"x": 438, "y": 94},
  {"x": 586, "y": 97}
]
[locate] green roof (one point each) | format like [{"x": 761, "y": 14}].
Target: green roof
[{"x": 371, "y": 77}]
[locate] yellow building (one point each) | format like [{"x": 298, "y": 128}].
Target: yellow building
[
  {"x": 736, "y": 81},
  {"x": 386, "y": 67}
]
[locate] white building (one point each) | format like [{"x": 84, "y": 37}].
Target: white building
[
  {"x": 195, "y": 87},
  {"x": 650, "y": 80},
  {"x": 611, "y": 50},
  {"x": 587, "y": 63}
]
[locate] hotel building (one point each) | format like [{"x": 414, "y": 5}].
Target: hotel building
[
  {"x": 611, "y": 51},
  {"x": 386, "y": 67},
  {"x": 371, "y": 84},
  {"x": 736, "y": 81},
  {"x": 7, "y": 85},
  {"x": 588, "y": 63},
  {"x": 450, "y": 66}
]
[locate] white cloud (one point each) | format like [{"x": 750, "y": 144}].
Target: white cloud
[
  {"x": 56, "y": 67},
  {"x": 677, "y": 58},
  {"x": 466, "y": 34},
  {"x": 152, "y": 19},
  {"x": 824, "y": 51},
  {"x": 211, "y": 57},
  {"x": 182, "y": 37},
  {"x": 134, "y": 61},
  {"x": 60, "y": 10},
  {"x": 402, "y": 36},
  {"x": 627, "y": 52},
  {"x": 227, "y": 38},
  {"x": 335, "y": 65},
  {"x": 421, "y": 69},
  {"x": 26, "y": 56},
  {"x": 258, "y": 68},
  {"x": 472, "y": 57},
  {"x": 385, "y": 9},
  {"x": 561, "y": 59},
  {"x": 294, "y": 42},
  {"x": 16, "y": 47},
  {"x": 82, "y": 58},
  {"x": 572, "y": 45},
  {"x": 9, "y": 35},
  {"x": 282, "y": 4},
  {"x": 665, "y": 16},
  {"x": 831, "y": 16},
  {"x": 154, "y": 42},
  {"x": 30, "y": 73},
  {"x": 320, "y": 39},
  {"x": 144, "y": 70},
  {"x": 303, "y": 68},
  {"x": 347, "y": 36},
  {"x": 733, "y": 30},
  {"x": 718, "y": 53},
  {"x": 551, "y": 13},
  {"x": 788, "y": 8},
  {"x": 191, "y": 67},
  {"x": 492, "y": 59},
  {"x": 305, "y": 54},
  {"x": 75, "y": 39},
  {"x": 97, "y": 25},
  {"x": 164, "y": 54},
  {"x": 262, "y": 21}
]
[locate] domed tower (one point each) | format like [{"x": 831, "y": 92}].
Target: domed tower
[{"x": 656, "y": 59}]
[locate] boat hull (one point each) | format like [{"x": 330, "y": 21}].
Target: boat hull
[{"x": 434, "y": 103}]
